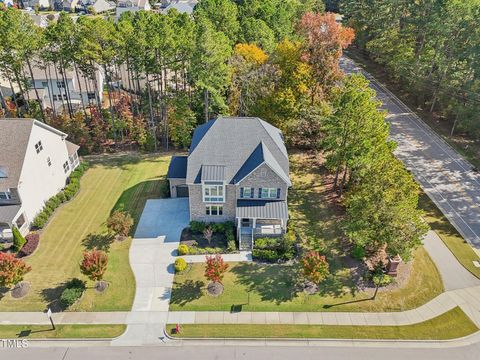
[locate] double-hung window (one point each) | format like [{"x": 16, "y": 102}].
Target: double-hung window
[
  {"x": 215, "y": 210},
  {"x": 269, "y": 193},
  {"x": 213, "y": 192},
  {"x": 60, "y": 84},
  {"x": 246, "y": 192}
]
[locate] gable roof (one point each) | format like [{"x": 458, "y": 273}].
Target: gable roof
[
  {"x": 14, "y": 138},
  {"x": 261, "y": 155},
  {"x": 236, "y": 143}
]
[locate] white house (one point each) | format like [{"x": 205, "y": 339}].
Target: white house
[
  {"x": 54, "y": 91},
  {"x": 42, "y": 4},
  {"x": 182, "y": 6},
  {"x": 132, "y": 5},
  {"x": 35, "y": 163},
  {"x": 99, "y": 6}
]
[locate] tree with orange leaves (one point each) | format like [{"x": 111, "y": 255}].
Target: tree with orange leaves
[{"x": 325, "y": 40}]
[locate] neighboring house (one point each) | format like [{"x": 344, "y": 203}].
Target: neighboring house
[
  {"x": 79, "y": 89},
  {"x": 237, "y": 170},
  {"x": 66, "y": 5},
  {"x": 132, "y": 5},
  {"x": 41, "y": 4},
  {"x": 98, "y": 6},
  {"x": 35, "y": 163},
  {"x": 8, "y": 3},
  {"x": 182, "y": 6},
  {"x": 42, "y": 20}
]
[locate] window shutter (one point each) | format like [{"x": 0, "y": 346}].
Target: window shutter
[
  {"x": 252, "y": 190},
  {"x": 260, "y": 193},
  {"x": 241, "y": 193},
  {"x": 278, "y": 193}
]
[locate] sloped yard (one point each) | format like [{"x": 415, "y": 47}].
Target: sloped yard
[
  {"x": 113, "y": 182},
  {"x": 316, "y": 216}
]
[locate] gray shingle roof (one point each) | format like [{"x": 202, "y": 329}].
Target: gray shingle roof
[
  {"x": 213, "y": 173},
  {"x": 14, "y": 136},
  {"x": 231, "y": 141},
  {"x": 177, "y": 168},
  {"x": 8, "y": 213},
  {"x": 262, "y": 209}
]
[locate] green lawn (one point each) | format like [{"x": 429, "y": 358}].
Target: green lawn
[
  {"x": 316, "y": 218},
  {"x": 450, "y": 236},
  {"x": 112, "y": 182},
  {"x": 453, "y": 324},
  {"x": 61, "y": 331}
]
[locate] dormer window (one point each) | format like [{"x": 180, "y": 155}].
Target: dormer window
[
  {"x": 38, "y": 147},
  {"x": 213, "y": 192}
]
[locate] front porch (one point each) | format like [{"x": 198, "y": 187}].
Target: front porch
[{"x": 249, "y": 229}]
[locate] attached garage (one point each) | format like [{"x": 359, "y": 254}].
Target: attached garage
[{"x": 182, "y": 190}]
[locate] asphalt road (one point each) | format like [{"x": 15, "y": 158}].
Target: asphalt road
[
  {"x": 443, "y": 174},
  {"x": 241, "y": 352}
]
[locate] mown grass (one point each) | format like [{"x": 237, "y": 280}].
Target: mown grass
[
  {"x": 449, "y": 235},
  {"x": 450, "y": 325},
  {"x": 315, "y": 215},
  {"x": 112, "y": 182},
  {"x": 60, "y": 332}
]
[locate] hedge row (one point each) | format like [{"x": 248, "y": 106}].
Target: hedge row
[{"x": 63, "y": 196}]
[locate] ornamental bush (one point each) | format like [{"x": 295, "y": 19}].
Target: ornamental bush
[
  {"x": 183, "y": 249},
  {"x": 32, "y": 243},
  {"x": 94, "y": 264},
  {"x": 197, "y": 226},
  {"x": 266, "y": 255},
  {"x": 315, "y": 267},
  {"x": 215, "y": 268},
  {"x": 180, "y": 265},
  {"x": 12, "y": 270},
  {"x": 18, "y": 239},
  {"x": 120, "y": 222},
  {"x": 73, "y": 291}
]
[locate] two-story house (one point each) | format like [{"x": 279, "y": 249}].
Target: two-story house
[
  {"x": 55, "y": 89},
  {"x": 132, "y": 6},
  {"x": 237, "y": 169},
  {"x": 35, "y": 163}
]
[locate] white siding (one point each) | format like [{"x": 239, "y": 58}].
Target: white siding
[{"x": 38, "y": 181}]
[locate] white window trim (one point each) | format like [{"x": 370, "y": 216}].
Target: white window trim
[
  {"x": 218, "y": 206},
  {"x": 252, "y": 191},
  {"x": 218, "y": 199}
]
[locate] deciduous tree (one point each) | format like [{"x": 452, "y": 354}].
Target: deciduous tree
[{"x": 12, "y": 270}]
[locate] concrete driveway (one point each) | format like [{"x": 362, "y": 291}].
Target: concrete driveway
[
  {"x": 152, "y": 255},
  {"x": 163, "y": 217}
]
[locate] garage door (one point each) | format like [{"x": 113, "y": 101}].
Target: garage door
[{"x": 182, "y": 191}]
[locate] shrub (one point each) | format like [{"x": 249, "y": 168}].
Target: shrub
[
  {"x": 267, "y": 243},
  {"x": 180, "y": 265},
  {"x": 61, "y": 197},
  {"x": 120, "y": 223},
  {"x": 94, "y": 264},
  {"x": 40, "y": 220},
  {"x": 358, "y": 252},
  {"x": 315, "y": 267},
  {"x": 266, "y": 255},
  {"x": 75, "y": 283},
  {"x": 70, "y": 296},
  {"x": 229, "y": 235},
  {"x": 211, "y": 250},
  {"x": 231, "y": 246},
  {"x": 215, "y": 268},
  {"x": 197, "y": 226},
  {"x": 32, "y": 243},
  {"x": 192, "y": 250},
  {"x": 217, "y": 227},
  {"x": 12, "y": 270},
  {"x": 18, "y": 239},
  {"x": 183, "y": 249},
  {"x": 381, "y": 279}
]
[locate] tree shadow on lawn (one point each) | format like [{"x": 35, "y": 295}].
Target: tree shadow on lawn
[
  {"x": 277, "y": 283},
  {"x": 134, "y": 198},
  {"x": 98, "y": 241},
  {"x": 52, "y": 297},
  {"x": 186, "y": 292}
]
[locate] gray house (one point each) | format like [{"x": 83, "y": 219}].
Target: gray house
[{"x": 237, "y": 170}]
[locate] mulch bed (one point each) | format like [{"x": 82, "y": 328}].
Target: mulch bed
[
  {"x": 101, "y": 286},
  {"x": 215, "y": 289},
  {"x": 190, "y": 238},
  {"x": 20, "y": 290}
]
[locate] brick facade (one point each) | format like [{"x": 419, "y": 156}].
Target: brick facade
[
  {"x": 263, "y": 177},
  {"x": 198, "y": 207}
]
